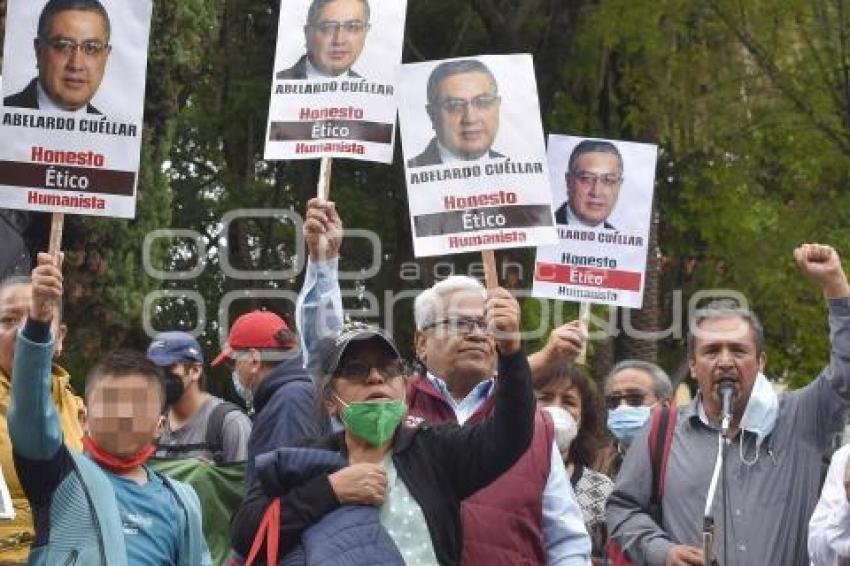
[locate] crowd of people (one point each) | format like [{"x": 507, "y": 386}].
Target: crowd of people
[{"x": 480, "y": 453}]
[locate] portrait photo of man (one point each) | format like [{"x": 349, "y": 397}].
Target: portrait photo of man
[
  {"x": 594, "y": 177},
  {"x": 463, "y": 105},
  {"x": 335, "y": 34},
  {"x": 71, "y": 50}
]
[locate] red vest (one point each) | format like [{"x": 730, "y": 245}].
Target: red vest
[{"x": 502, "y": 523}]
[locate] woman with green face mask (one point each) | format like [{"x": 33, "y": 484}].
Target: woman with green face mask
[{"x": 386, "y": 489}]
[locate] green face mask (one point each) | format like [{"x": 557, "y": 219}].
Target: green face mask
[{"x": 373, "y": 421}]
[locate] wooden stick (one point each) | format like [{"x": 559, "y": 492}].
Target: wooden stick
[
  {"x": 57, "y": 224},
  {"x": 491, "y": 274},
  {"x": 584, "y": 321},
  {"x": 323, "y": 189}
]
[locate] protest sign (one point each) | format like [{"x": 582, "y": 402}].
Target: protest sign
[
  {"x": 73, "y": 103},
  {"x": 603, "y": 193},
  {"x": 475, "y": 161},
  {"x": 336, "y": 97}
]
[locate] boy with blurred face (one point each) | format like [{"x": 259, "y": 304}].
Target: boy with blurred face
[
  {"x": 15, "y": 298},
  {"x": 127, "y": 513}
]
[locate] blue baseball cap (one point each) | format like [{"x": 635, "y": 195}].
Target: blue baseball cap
[{"x": 169, "y": 348}]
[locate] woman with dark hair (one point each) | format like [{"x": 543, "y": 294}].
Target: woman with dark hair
[{"x": 571, "y": 399}]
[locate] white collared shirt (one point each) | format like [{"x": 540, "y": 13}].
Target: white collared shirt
[
  {"x": 45, "y": 103},
  {"x": 829, "y": 528},
  {"x": 314, "y": 74},
  {"x": 446, "y": 156},
  {"x": 573, "y": 220}
]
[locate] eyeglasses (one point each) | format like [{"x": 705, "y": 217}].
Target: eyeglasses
[
  {"x": 588, "y": 179},
  {"x": 359, "y": 371},
  {"x": 331, "y": 27},
  {"x": 460, "y": 325},
  {"x": 460, "y": 105},
  {"x": 634, "y": 399},
  {"x": 65, "y": 46}
]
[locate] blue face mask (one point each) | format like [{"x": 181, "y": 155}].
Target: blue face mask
[
  {"x": 759, "y": 417},
  {"x": 625, "y": 421}
]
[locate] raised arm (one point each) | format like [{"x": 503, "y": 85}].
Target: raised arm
[
  {"x": 475, "y": 455},
  {"x": 318, "y": 311},
  {"x": 823, "y": 402},
  {"x": 32, "y": 418}
]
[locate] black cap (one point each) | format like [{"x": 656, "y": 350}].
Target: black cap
[{"x": 331, "y": 350}]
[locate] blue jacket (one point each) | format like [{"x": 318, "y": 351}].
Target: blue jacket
[
  {"x": 350, "y": 535},
  {"x": 77, "y": 520},
  {"x": 285, "y": 411}
]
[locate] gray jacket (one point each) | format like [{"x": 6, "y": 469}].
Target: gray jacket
[{"x": 767, "y": 503}]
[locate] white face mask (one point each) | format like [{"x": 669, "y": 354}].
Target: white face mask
[
  {"x": 241, "y": 390},
  {"x": 566, "y": 427}
]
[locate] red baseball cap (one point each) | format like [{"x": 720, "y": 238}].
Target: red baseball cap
[{"x": 256, "y": 329}]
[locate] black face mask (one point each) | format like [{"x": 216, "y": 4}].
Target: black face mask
[{"x": 173, "y": 388}]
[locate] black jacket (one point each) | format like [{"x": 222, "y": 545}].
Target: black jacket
[
  {"x": 561, "y": 217},
  {"x": 440, "y": 465},
  {"x": 28, "y": 98}
]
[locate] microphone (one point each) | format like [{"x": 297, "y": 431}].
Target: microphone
[{"x": 727, "y": 399}]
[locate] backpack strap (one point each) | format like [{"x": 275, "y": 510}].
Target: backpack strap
[
  {"x": 268, "y": 534},
  {"x": 192, "y": 549},
  {"x": 662, "y": 426},
  {"x": 660, "y": 440},
  {"x": 215, "y": 429}
]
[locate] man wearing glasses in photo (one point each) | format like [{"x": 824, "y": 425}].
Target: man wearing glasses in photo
[
  {"x": 71, "y": 49},
  {"x": 594, "y": 177},
  {"x": 335, "y": 33},
  {"x": 464, "y": 105}
]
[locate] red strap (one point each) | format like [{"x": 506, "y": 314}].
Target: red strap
[
  {"x": 668, "y": 442},
  {"x": 268, "y": 532}
]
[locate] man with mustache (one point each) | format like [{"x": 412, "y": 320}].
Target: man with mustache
[
  {"x": 772, "y": 459},
  {"x": 464, "y": 105},
  {"x": 335, "y": 34},
  {"x": 71, "y": 49}
]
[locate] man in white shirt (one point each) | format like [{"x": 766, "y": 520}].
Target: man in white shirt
[{"x": 829, "y": 528}]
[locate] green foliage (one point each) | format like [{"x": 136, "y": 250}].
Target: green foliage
[{"x": 749, "y": 101}]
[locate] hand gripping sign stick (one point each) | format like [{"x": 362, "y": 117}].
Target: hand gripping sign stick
[
  {"x": 323, "y": 189},
  {"x": 584, "y": 321}
]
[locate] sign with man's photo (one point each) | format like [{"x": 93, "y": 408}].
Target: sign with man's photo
[
  {"x": 602, "y": 192},
  {"x": 73, "y": 103},
  {"x": 475, "y": 160},
  {"x": 335, "y": 75}
]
